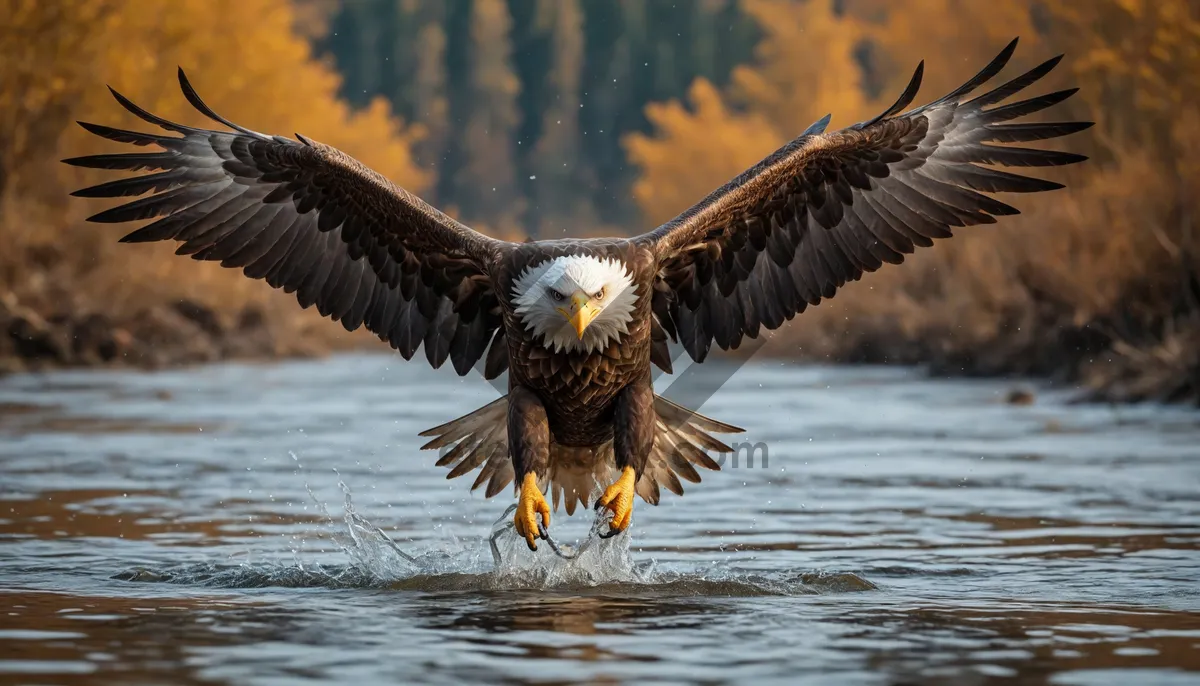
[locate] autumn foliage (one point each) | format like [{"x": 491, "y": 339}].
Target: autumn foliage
[
  {"x": 531, "y": 116},
  {"x": 1099, "y": 283},
  {"x": 249, "y": 59}
]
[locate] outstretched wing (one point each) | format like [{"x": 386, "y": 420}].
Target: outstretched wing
[
  {"x": 311, "y": 220},
  {"x": 827, "y": 207}
]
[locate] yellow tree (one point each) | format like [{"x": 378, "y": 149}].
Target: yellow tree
[
  {"x": 955, "y": 37},
  {"x": 694, "y": 150},
  {"x": 805, "y": 67},
  {"x": 1138, "y": 65},
  {"x": 58, "y": 57}
]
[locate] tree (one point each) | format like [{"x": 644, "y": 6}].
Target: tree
[
  {"x": 358, "y": 33},
  {"x": 259, "y": 73},
  {"x": 560, "y": 192},
  {"x": 484, "y": 185},
  {"x": 611, "y": 58},
  {"x": 805, "y": 66},
  {"x": 694, "y": 150},
  {"x": 431, "y": 105},
  {"x": 1138, "y": 65},
  {"x": 953, "y": 36}
]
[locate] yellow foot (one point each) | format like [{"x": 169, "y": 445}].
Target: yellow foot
[
  {"x": 619, "y": 498},
  {"x": 529, "y": 506}
]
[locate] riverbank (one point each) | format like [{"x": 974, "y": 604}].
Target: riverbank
[
  {"x": 183, "y": 332},
  {"x": 1156, "y": 364},
  {"x": 1096, "y": 289}
]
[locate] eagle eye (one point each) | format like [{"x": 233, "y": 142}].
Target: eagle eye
[
  {"x": 599, "y": 294},
  {"x": 557, "y": 296}
]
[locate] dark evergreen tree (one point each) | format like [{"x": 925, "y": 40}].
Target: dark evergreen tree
[{"x": 549, "y": 140}]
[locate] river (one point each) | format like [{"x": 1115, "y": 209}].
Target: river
[{"x": 276, "y": 523}]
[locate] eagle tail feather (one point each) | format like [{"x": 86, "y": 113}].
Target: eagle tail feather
[{"x": 682, "y": 440}]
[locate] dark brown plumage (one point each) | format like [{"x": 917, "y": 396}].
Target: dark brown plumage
[
  {"x": 309, "y": 219},
  {"x": 827, "y": 207},
  {"x": 787, "y": 233}
]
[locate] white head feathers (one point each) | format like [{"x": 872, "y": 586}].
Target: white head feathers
[{"x": 540, "y": 291}]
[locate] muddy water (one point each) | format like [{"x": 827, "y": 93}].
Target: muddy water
[{"x": 276, "y": 524}]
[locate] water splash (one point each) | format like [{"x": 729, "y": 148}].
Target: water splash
[
  {"x": 502, "y": 561},
  {"x": 377, "y": 556},
  {"x": 594, "y": 561}
]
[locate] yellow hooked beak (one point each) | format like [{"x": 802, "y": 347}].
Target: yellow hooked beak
[{"x": 580, "y": 313}]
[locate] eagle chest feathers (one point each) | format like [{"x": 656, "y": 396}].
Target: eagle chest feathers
[{"x": 578, "y": 332}]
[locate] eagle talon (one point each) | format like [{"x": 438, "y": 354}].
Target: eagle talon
[
  {"x": 610, "y": 533},
  {"x": 530, "y": 506},
  {"x": 618, "y": 498}
]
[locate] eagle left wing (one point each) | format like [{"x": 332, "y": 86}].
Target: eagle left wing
[
  {"x": 310, "y": 220},
  {"x": 827, "y": 207}
]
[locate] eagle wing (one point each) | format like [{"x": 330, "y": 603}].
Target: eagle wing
[
  {"x": 827, "y": 207},
  {"x": 312, "y": 221}
]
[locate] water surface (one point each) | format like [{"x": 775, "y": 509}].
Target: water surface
[{"x": 271, "y": 524}]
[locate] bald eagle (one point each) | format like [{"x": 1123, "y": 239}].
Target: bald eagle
[{"x": 578, "y": 323}]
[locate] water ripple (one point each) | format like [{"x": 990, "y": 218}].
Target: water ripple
[{"x": 197, "y": 526}]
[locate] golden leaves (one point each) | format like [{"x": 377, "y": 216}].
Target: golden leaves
[
  {"x": 248, "y": 62},
  {"x": 805, "y": 68},
  {"x": 695, "y": 150}
]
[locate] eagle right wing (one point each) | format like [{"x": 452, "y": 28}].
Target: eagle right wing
[
  {"x": 828, "y": 207},
  {"x": 311, "y": 220}
]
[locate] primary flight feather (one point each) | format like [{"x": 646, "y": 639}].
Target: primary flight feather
[{"x": 577, "y": 323}]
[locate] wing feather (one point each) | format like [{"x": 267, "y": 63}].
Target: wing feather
[
  {"x": 309, "y": 220},
  {"x": 828, "y": 207}
]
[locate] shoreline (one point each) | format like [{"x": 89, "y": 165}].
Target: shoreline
[
  {"x": 187, "y": 333},
  {"x": 157, "y": 337}
]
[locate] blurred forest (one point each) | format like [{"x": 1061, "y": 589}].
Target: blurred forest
[
  {"x": 563, "y": 117},
  {"x": 525, "y": 102}
]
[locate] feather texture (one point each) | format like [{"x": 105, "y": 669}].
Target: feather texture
[
  {"x": 828, "y": 207},
  {"x": 312, "y": 221},
  {"x": 575, "y": 475}
]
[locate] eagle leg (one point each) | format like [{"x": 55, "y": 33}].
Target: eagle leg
[
  {"x": 529, "y": 448},
  {"x": 633, "y": 438}
]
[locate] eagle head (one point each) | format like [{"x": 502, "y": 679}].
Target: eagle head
[{"x": 576, "y": 303}]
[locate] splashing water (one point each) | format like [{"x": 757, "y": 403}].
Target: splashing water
[{"x": 501, "y": 561}]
